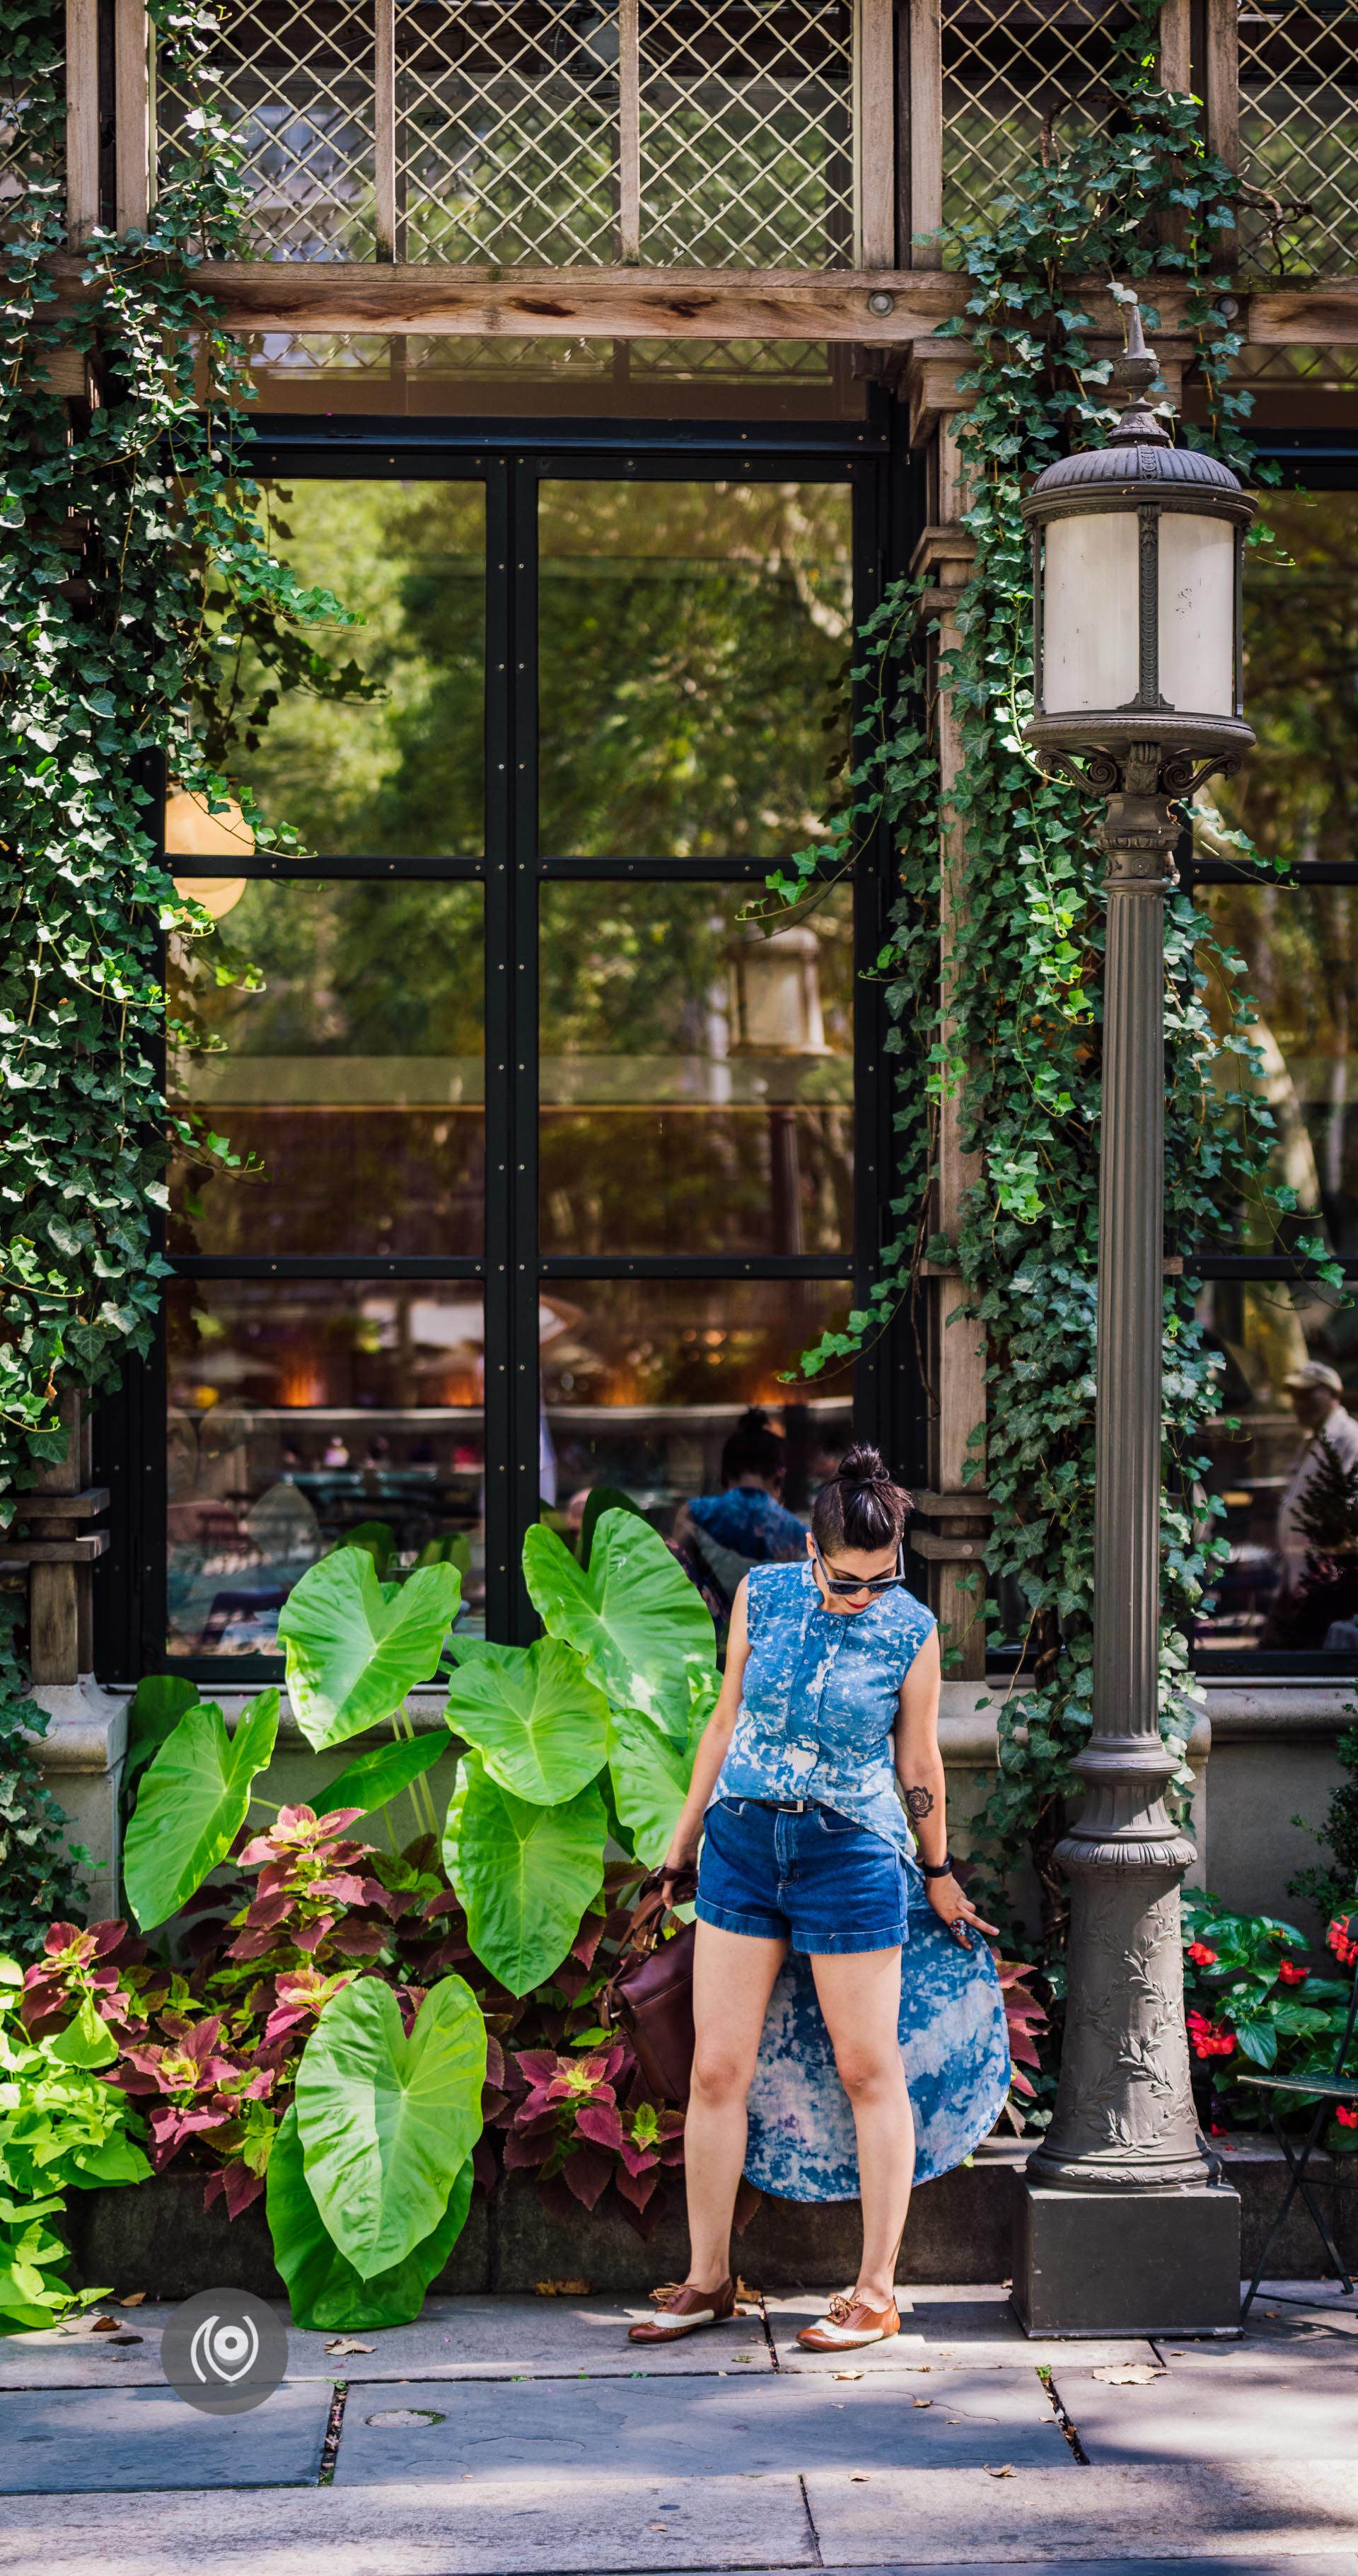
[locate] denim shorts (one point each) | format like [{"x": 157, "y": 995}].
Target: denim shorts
[{"x": 816, "y": 1880}]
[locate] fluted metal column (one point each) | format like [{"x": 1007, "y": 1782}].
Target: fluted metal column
[{"x": 1124, "y": 2109}]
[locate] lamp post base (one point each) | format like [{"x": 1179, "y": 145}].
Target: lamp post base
[{"x": 1128, "y": 2262}]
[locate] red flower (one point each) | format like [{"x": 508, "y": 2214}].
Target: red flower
[
  {"x": 1340, "y": 1939},
  {"x": 1201, "y": 1956},
  {"x": 1290, "y": 1974},
  {"x": 1348, "y": 2119},
  {"x": 1209, "y": 2039}
]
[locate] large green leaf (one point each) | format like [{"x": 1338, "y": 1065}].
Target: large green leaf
[
  {"x": 533, "y": 1714},
  {"x": 631, "y": 1613},
  {"x": 372, "y": 1779},
  {"x": 158, "y": 1703},
  {"x": 386, "y": 2121},
  {"x": 650, "y": 1775},
  {"x": 192, "y": 1803},
  {"x": 355, "y": 1646},
  {"x": 525, "y": 1874},
  {"x": 327, "y": 2294}
]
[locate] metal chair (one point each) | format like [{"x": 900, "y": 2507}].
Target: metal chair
[{"x": 1332, "y": 2088}]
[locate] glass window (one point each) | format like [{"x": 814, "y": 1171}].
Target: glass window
[
  {"x": 1301, "y": 973},
  {"x": 696, "y": 1072},
  {"x": 398, "y": 771},
  {"x": 1284, "y": 1461},
  {"x": 1297, "y": 794},
  {"x": 337, "y": 1036},
  {"x": 694, "y": 652},
  {"x": 299, "y": 1408},
  {"x": 644, "y": 1381}
]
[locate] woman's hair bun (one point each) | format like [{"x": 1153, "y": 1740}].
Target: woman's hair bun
[{"x": 863, "y": 1466}]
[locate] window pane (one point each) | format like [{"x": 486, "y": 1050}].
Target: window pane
[
  {"x": 697, "y": 1075},
  {"x": 297, "y": 1410},
  {"x": 350, "y": 1069},
  {"x": 695, "y": 645},
  {"x": 400, "y": 774},
  {"x": 645, "y": 1380},
  {"x": 1295, "y": 793},
  {"x": 1301, "y": 971},
  {"x": 1291, "y": 1504}
]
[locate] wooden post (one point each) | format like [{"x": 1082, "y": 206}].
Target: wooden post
[
  {"x": 629, "y": 130},
  {"x": 82, "y": 118},
  {"x": 384, "y": 129},
  {"x": 875, "y": 171},
  {"x": 1176, "y": 45},
  {"x": 1221, "y": 81},
  {"x": 926, "y": 133},
  {"x": 132, "y": 114},
  {"x": 60, "y": 1562}
]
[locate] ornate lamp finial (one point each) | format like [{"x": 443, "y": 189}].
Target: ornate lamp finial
[{"x": 1133, "y": 372}]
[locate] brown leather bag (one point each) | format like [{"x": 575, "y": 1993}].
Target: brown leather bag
[{"x": 649, "y": 1996}]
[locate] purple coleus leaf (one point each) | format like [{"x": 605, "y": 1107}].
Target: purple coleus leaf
[{"x": 600, "y": 2121}]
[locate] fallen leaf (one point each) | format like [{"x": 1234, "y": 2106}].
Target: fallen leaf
[
  {"x": 1129, "y": 2374},
  {"x": 102, "y": 2324},
  {"x": 744, "y": 2292},
  {"x": 921, "y": 2401},
  {"x": 1005, "y": 2472},
  {"x": 133, "y": 2299},
  {"x": 561, "y": 2289},
  {"x": 848, "y": 2374},
  {"x": 349, "y": 2343},
  {"x": 858, "y": 2477}
]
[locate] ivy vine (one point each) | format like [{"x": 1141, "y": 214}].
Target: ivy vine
[
  {"x": 136, "y": 567},
  {"x": 1021, "y": 1048}
]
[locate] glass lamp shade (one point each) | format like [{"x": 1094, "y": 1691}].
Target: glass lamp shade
[{"x": 1136, "y": 570}]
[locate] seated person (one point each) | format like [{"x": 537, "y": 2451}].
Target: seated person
[{"x": 746, "y": 1524}]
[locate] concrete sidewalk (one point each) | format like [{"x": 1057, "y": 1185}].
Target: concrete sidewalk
[{"x": 501, "y": 2436}]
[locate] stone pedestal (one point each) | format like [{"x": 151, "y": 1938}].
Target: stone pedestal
[
  {"x": 1128, "y": 2262},
  {"x": 82, "y": 1760}
]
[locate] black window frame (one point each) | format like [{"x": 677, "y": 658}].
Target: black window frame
[{"x": 510, "y": 460}]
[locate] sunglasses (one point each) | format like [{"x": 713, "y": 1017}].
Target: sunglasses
[{"x": 849, "y": 1590}]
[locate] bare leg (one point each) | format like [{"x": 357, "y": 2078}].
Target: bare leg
[
  {"x": 860, "y": 1996},
  {"x": 733, "y": 1978}
]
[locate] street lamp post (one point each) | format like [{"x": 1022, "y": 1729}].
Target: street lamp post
[{"x": 1137, "y": 550}]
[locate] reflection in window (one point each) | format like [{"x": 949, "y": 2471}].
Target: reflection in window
[
  {"x": 1284, "y": 1463},
  {"x": 645, "y": 1380},
  {"x": 339, "y": 1049},
  {"x": 697, "y": 1074},
  {"x": 299, "y": 1409},
  {"x": 399, "y": 774},
  {"x": 694, "y": 642},
  {"x": 1301, "y": 972}
]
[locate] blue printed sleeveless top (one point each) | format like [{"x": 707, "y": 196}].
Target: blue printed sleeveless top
[{"x": 821, "y": 1697}]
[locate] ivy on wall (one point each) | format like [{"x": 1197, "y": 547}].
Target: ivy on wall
[
  {"x": 1021, "y": 1049},
  {"x": 135, "y": 573}
]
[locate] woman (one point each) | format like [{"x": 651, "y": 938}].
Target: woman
[
  {"x": 745, "y": 1524},
  {"x": 832, "y": 1669}
]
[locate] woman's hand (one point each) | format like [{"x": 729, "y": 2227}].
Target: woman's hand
[
  {"x": 955, "y": 1909},
  {"x": 682, "y": 1855}
]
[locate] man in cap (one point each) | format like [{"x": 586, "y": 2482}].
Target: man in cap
[{"x": 1317, "y": 1397}]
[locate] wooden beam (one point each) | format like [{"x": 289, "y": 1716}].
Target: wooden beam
[
  {"x": 926, "y": 132},
  {"x": 384, "y": 129},
  {"x": 875, "y": 68},
  {"x": 82, "y": 117},
  {"x": 629, "y": 131},
  {"x": 132, "y": 114},
  {"x": 684, "y": 303}
]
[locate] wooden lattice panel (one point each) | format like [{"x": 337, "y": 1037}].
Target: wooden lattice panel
[
  {"x": 1299, "y": 137},
  {"x": 298, "y": 76},
  {"x": 1021, "y": 79}
]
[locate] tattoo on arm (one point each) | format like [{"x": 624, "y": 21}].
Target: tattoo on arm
[{"x": 918, "y": 1804}]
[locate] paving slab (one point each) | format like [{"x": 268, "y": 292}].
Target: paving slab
[
  {"x": 514, "y": 2527},
  {"x": 1230, "y": 2510},
  {"x": 937, "y": 2326},
  {"x": 66, "y": 2441},
  {"x": 461, "y": 2338},
  {"x": 1280, "y": 2304},
  {"x": 1227, "y": 2404},
  {"x": 693, "y": 2430}
]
